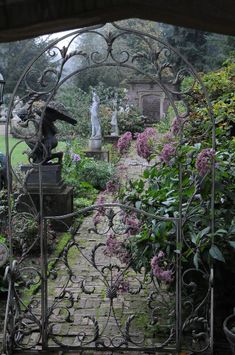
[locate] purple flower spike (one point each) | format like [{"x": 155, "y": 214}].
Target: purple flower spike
[
  {"x": 75, "y": 157},
  {"x": 160, "y": 271},
  {"x": 204, "y": 160},
  {"x": 167, "y": 153},
  {"x": 176, "y": 126},
  {"x": 112, "y": 186},
  {"x": 124, "y": 142},
  {"x": 145, "y": 143}
]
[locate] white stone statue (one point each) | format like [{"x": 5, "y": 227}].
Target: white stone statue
[
  {"x": 114, "y": 122},
  {"x": 3, "y": 113},
  {"x": 18, "y": 103},
  {"x": 95, "y": 121}
]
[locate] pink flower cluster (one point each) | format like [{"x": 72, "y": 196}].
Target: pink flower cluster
[
  {"x": 101, "y": 211},
  {"x": 159, "y": 270},
  {"x": 204, "y": 160},
  {"x": 112, "y": 186},
  {"x": 167, "y": 138},
  {"x": 176, "y": 125},
  {"x": 122, "y": 284},
  {"x": 167, "y": 153},
  {"x": 112, "y": 245},
  {"x": 145, "y": 143},
  {"x": 132, "y": 223},
  {"x": 124, "y": 142},
  {"x": 115, "y": 247}
]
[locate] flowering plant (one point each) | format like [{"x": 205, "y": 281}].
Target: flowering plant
[
  {"x": 167, "y": 153},
  {"x": 157, "y": 192},
  {"x": 146, "y": 142},
  {"x": 124, "y": 142},
  {"x": 86, "y": 175},
  {"x": 204, "y": 161},
  {"x": 159, "y": 269}
]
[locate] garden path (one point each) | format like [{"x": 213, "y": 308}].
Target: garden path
[
  {"x": 130, "y": 167},
  {"x": 98, "y": 305}
]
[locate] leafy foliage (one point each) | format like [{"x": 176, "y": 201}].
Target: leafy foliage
[
  {"x": 15, "y": 56},
  {"x": 79, "y": 103},
  {"x": 85, "y": 174},
  {"x": 205, "y": 51},
  {"x": 131, "y": 121},
  {"x": 157, "y": 192},
  {"x": 3, "y": 286}
]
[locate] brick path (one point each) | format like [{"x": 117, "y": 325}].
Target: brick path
[
  {"x": 111, "y": 316},
  {"x": 89, "y": 290}
]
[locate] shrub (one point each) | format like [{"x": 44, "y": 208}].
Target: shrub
[
  {"x": 3, "y": 211},
  {"x": 25, "y": 230},
  {"x": 145, "y": 143},
  {"x": 124, "y": 142},
  {"x": 78, "y": 103},
  {"x": 157, "y": 191},
  {"x": 85, "y": 174},
  {"x": 3, "y": 286},
  {"x": 96, "y": 173},
  {"x": 131, "y": 120}
]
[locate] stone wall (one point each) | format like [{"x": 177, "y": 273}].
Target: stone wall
[{"x": 149, "y": 98}]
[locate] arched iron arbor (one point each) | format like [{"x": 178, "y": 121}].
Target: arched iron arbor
[{"x": 37, "y": 323}]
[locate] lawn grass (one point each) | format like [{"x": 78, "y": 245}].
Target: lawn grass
[{"x": 18, "y": 156}]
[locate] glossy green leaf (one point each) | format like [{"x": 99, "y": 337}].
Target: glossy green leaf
[
  {"x": 215, "y": 253},
  {"x": 232, "y": 244}
]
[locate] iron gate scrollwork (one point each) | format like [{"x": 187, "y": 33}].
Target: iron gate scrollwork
[
  {"x": 107, "y": 305},
  {"x": 109, "y": 300}
]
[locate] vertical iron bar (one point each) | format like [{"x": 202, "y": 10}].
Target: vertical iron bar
[
  {"x": 178, "y": 289},
  {"x": 212, "y": 231},
  {"x": 7, "y": 312},
  {"x": 44, "y": 283},
  {"x": 9, "y": 320},
  {"x": 178, "y": 255},
  {"x": 43, "y": 247},
  {"x": 212, "y": 310}
]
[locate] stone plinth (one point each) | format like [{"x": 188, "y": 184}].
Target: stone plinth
[
  {"x": 95, "y": 144},
  {"x": 97, "y": 155},
  {"x": 54, "y": 204},
  {"x": 51, "y": 177},
  {"x": 57, "y": 197},
  {"x": 111, "y": 139}
]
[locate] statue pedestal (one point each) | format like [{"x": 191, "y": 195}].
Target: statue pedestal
[
  {"x": 51, "y": 177},
  {"x": 97, "y": 155},
  {"x": 95, "y": 144},
  {"x": 57, "y": 197},
  {"x": 95, "y": 151},
  {"x": 111, "y": 139}
]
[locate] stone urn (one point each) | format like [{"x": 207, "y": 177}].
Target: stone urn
[{"x": 228, "y": 324}]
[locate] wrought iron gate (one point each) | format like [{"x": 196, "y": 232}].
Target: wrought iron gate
[{"x": 108, "y": 306}]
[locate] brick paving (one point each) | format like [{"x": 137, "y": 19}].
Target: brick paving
[
  {"x": 83, "y": 301},
  {"x": 111, "y": 315}
]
